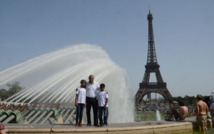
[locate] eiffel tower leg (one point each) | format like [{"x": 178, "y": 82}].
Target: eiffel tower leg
[
  {"x": 137, "y": 98},
  {"x": 146, "y": 77},
  {"x": 158, "y": 76}
]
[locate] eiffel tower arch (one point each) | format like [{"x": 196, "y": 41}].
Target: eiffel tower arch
[{"x": 146, "y": 87}]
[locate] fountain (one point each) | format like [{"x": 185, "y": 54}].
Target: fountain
[
  {"x": 15, "y": 116},
  {"x": 158, "y": 117},
  {"x": 50, "y": 81}
]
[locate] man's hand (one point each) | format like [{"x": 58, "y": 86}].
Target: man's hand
[
  {"x": 76, "y": 104},
  {"x": 105, "y": 107},
  {"x": 85, "y": 104}
]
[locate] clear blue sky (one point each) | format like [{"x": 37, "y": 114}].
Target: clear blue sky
[{"x": 183, "y": 30}]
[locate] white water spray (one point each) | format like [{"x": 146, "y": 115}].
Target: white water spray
[
  {"x": 53, "y": 78},
  {"x": 158, "y": 117}
]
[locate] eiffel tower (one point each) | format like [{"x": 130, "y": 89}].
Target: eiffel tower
[{"x": 146, "y": 87}]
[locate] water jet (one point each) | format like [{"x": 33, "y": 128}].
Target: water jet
[{"x": 52, "y": 79}]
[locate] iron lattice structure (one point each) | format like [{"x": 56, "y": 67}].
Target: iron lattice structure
[{"x": 152, "y": 66}]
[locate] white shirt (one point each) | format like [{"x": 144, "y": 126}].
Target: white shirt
[
  {"x": 212, "y": 98},
  {"x": 92, "y": 89},
  {"x": 101, "y": 97},
  {"x": 81, "y": 92},
  {"x": 212, "y": 106}
]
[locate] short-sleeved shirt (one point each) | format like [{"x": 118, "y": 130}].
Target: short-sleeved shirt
[
  {"x": 212, "y": 106},
  {"x": 92, "y": 89},
  {"x": 212, "y": 98},
  {"x": 81, "y": 92},
  {"x": 101, "y": 97}
]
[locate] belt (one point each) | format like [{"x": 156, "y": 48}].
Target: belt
[{"x": 90, "y": 97}]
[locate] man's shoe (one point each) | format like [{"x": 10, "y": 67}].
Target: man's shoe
[{"x": 88, "y": 124}]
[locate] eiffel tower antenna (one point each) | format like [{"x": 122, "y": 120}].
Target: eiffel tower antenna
[{"x": 146, "y": 87}]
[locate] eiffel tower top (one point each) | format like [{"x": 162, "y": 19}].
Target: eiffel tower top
[{"x": 151, "y": 55}]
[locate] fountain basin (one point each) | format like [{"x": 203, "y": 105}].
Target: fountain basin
[{"x": 158, "y": 127}]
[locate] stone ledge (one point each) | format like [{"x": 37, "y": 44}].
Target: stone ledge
[{"x": 166, "y": 127}]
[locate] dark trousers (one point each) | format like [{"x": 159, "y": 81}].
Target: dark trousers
[
  {"x": 91, "y": 102},
  {"x": 103, "y": 111},
  {"x": 79, "y": 113},
  {"x": 176, "y": 115}
]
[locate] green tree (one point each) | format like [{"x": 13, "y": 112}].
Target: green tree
[
  {"x": 188, "y": 100},
  {"x": 12, "y": 89},
  {"x": 3, "y": 94}
]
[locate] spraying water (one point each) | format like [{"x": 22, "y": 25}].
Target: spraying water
[
  {"x": 158, "y": 118},
  {"x": 52, "y": 79}
]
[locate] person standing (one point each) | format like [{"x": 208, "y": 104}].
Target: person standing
[
  {"x": 80, "y": 102},
  {"x": 212, "y": 110},
  {"x": 212, "y": 97},
  {"x": 201, "y": 113},
  {"x": 92, "y": 87},
  {"x": 102, "y": 98}
]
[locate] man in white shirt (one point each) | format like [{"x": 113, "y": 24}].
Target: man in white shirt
[
  {"x": 212, "y": 110},
  {"x": 102, "y": 98},
  {"x": 212, "y": 97},
  {"x": 92, "y": 88}
]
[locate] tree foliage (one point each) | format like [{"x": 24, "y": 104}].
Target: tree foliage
[
  {"x": 188, "y": 100},
  {"x": 10, "y": 90}
]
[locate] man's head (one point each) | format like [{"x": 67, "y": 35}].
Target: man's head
[
  {"x": 91, "y": 78},
  {"x": 199, "y": 97},
  {"x": 102, "y": 87},
  {"x": 212, "y": 92},
  {"x": 181, "y": 103}
]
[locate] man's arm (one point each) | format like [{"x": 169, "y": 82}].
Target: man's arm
[
  {"x": 76, "y": 100},
  {"x": 197, "y": 110},
  {"x": 77, "y": 92},
  {"x": 106, "y": 103},
  {"x": 172, "y": 108},
  {"x": 207, "y": 109}
]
